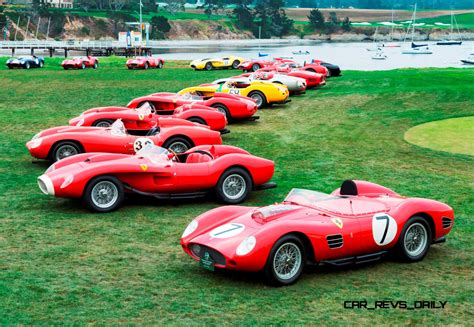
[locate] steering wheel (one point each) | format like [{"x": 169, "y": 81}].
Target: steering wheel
[
  {"x": 204, "y": 152},
  {"x": 174, "y": 156}
]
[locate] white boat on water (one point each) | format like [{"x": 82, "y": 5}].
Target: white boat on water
[
  {"x": 375, "y": 44},
  {"x": 469, "y": 60},
  {"x": 414, "y": 49},
  {"x": 379, "y": 55},
  {"x": 452, "y": 40}
]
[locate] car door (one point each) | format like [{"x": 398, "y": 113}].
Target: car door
[{"x": 193, "y": 177}]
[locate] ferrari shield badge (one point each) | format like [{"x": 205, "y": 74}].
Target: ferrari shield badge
[
  {"x": 144, "y": 167},
  {"x": 337, "y": 222},
  {"x": 206, "y": 262}
]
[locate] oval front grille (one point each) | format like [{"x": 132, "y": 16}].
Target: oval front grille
[
  {"x": 335, "y": 241},
  {"x": 199, "y": 250},
  {"x": 447, "y": 222}
]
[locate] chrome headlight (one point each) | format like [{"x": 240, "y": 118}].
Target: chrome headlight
[
  {"x": 35, "y": 143},
  {"x": 190, "y": 228},
  {"x": 246, "y": 246}
]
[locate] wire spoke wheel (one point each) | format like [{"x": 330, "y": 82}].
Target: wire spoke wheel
[
  {"x": 65, "y": 151},
  {"x": 287, "y": 261},
  {"x": 234, "y": 186},
  {"x": 416, "y": 238},
  {"x": 104, "y": 194},
  {"x": 178, "y": 147},
  {"x": 103, "y": 123}
]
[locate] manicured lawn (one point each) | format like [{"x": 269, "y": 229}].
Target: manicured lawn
[
  {"x": 61, "y": 264},
  {"x": 454, "y": 135}
]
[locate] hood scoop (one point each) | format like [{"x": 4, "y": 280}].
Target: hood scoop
[{"x": 272, "y": 212}]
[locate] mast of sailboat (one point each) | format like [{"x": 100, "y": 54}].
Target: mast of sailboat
[
  {"x": 413, "y": 24},
  {"x": 391, "y": 30}
]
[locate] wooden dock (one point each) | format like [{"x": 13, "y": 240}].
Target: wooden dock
[{"x": 93, "y": 48}]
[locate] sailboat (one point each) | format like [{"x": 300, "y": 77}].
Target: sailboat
[
  {"x": 452, "y": 41},
  {"x": 392, "y": 44},
  {"x": 415, "y": 48},
  {"x": 375, "y": 45},
  {"x": 469, "y": 60},
  {"x": 379, "y": 55}
]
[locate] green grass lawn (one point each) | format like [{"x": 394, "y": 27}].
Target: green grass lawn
[
  {"x": 454, "y": 135},
  {"x": 61, "y": 264}
]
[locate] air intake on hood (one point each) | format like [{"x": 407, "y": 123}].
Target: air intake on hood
[
  {"x": 335, "y": 241},
  {"x": 447, "y": 222}
]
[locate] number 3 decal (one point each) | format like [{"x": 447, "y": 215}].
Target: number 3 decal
[{"x": 384, "y": 229}]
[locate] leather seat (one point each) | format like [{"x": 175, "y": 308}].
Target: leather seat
[{"x": 197, "y": 158}]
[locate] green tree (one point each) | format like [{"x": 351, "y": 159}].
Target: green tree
[
  {"x": 346, "y": 24},
  {"x": 316, "y": 19},
  {"x": 212, "y": 6},
  {"x": 272, "y": 18},
  {"x": 159, "y": 27}
]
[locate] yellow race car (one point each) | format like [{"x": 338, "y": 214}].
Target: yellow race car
[
  {"x": 217, "y": 63},
  {"x": 262, "y": 92}
]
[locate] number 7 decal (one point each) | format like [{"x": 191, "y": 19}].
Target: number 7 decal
[{"x": 384, "y": 229}]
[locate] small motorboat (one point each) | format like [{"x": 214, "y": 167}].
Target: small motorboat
[
  {"x": 379, "y": 55},
  {"x": 414, "y": 45},
  {"x": 469, "y": 60},
  {"x": 449, "y": 42},
  {"x": 418, "y": 50},
  {"x": 262, "y": 54}
]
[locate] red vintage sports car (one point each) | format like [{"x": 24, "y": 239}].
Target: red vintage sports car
[
  {"x": 145, "y": 63},
  {"x": 357, "y": 223},
  {"x": 234, "y": 107},
  {"x": 177, "y": 135},
  {"x": 81, "y": 63},
  {"x": 101, "y": 179},
  {"x": 312, "y": 79},
  {"x": 145, "y": 117},
  {"x": 255, "y": 64}
]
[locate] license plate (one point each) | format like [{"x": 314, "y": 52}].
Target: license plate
[{"x": 206, "y": 262}]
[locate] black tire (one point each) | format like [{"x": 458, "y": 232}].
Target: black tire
[
  {"x": 197, "y": 120},
  {"x": 96, "y": 65},
  {"x": 83, "y": 66},
  {"x": 65, "y": 146},
  {"x": 255, "y": 67},
  {"x": 208, "y": 66},
  {"x": 129, "y": 67},
  {"x": 259, "y": 97},
  {"x": 272, "y": 277},
  {"x": 223, "y": 109},
  {"x": 102, "y": 123},
  {"x": 10, "y": 67},
  {"x": 65, "y": 68},
  {"x": 401, "y": 249},
  {"x": 160, "y": 65},
  {"x": 241, "y": 176},
  {"x": 235, "y": 64},
  {"x": 311, "y": 70},
  {"x": 41, "y": 64},
  {"x": 108, "y": 180},
  {"x": 27, "y": 65},
  {"x": 177, "y": 144},
  {"x": 146, "y": 66}
]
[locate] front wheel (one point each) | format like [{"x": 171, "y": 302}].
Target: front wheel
[
  {"x": 259, "y": 98},
  {"x": 64, "y": 149},
  {"x": 177, "y": 144},
  {"x": 234, "y": 186},
  {"x": 83, "y": 66},
  {"x": 102, "y": 123},
  {"x": 285, "y": 262},
  {"x": 41, "y": 64},
  {"x": 197, "y": 120},
  {"x": 96, "y": 65},
  {"x": 255, "y": 67},
  {"x": 414, "y": 241},
  {"x": 146, "y": 66},
  {"x": 235, "y": 64},
  {"x": 103, "y": 194},
  {"x": 160, "y": 65},
  {"x": 27, "y": 65},
  {"x": 208, "y": 66},
  {"x": 223, "y": 109}
]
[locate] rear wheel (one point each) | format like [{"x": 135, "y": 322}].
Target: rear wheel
[
  {"x": 146, "y": 65},
  {"x": 223, "y": 109},
  {"x": 285, "y": 262},
  {"x": 27, "y": 65},
  {"x": 103, "y": 194},
  {"x": 208, "y": 66},
  {"x": 83, "y": 66},
  {"x": 234, "y": 186},
  {"x": 160, "y": 65},
  {"x": 255, "y": 67},
  {"x": 41, "y": 64},
  {"x": 259, "y": 98},
  {"x": 177, "y": 144},
  {"x": 415, "y": 240},
  {"x": 65, "y": 149},
  {"x": 235, "y": 64},
  {"x": 96, "y": 65},
  {"x": 103, "y": 123},
  {"x": 197, "y": 120}
]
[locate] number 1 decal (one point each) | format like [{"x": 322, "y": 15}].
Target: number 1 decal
[
  {"x": 384, "y": 229},
  {"x": 227, "y": 230}
]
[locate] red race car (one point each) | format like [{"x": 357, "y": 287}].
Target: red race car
[
  {"x": 175, "y": 134},
  {"x": 312, "y": 67},
  {"x": 145, "y": 63},
  {"x": 235, "y": 107},
  {"x": 357, "y": 223},
  {"x": 312, "y": 79},
  {"x": 81, "y": 63},
  {"x": 102, "y": 179},
  {"x": 255, "y": 64},
  {"x": 145, "y": 117}
]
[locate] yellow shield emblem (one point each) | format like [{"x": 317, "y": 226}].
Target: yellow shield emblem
[
  {"x": 144, "y": 167},
  {"x": 337, "y": 222},
  {"x": 141, "y": 116}
]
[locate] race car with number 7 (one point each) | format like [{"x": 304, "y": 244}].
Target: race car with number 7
[{"x": 357, "y": 223}]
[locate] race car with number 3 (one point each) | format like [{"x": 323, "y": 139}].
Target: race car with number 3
[
  {"x": 232, "y": 62},
  {"x": 102, "y": 179},
  {"x": 234, "y": 107},
  {"x": 146, "y": 116},
  {"x": 357, "y": 223},
  {"x": 262, "y": 92},
  {"x": 177, "y": 135}
]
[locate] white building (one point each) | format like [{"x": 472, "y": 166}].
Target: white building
[{"x": 60, "y": 3}]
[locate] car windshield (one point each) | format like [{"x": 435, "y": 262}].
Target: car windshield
[
  {"x": 190, "y": 97},
  {"x": 154, "y": 153},
  {"x": 307, "y": 197},
  {"x": 118, "y": 128},
  {"x": 144, "y": 110}
]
